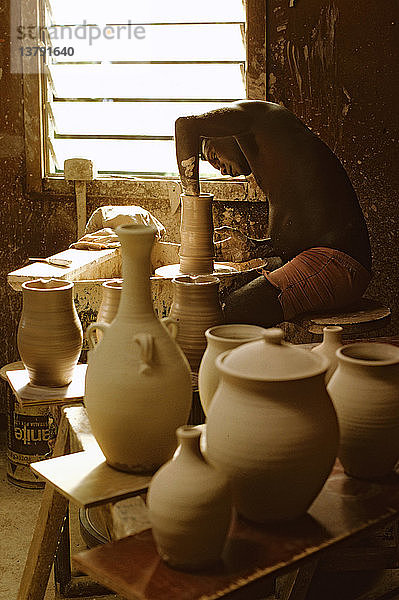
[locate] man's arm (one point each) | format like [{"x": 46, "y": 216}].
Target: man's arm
[{"x": 222, "y": 122}]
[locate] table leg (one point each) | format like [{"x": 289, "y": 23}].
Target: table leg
[{"x": 47, "y": 532}]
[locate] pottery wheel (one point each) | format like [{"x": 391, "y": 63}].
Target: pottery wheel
[{"x": 171, "y": 271}]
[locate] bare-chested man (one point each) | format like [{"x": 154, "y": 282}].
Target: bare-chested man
[{"x": 316, "y": 225}]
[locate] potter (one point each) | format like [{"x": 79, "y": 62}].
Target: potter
[{"x": 315, "y": 222}]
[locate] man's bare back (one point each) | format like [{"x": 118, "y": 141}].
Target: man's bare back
[
  {"x": 311, "y": 200},
  {"x": 312, "y": 203}
]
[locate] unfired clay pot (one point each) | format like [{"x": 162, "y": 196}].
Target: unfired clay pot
[
  {"x": 365, "y": 393},
  {"x": 110, "y": 300},
  {"x": 138, "y": 382},
  {"x": 190, "y": 507},
  {"x": 272, "y": 428},
  {"x": 196, "y": 231},
  {"x": 332, "y": 340},
  {"x": 219, "y": 339},
  {"x": 49, "y": 334},
  {"x": 195, "y": 307}
]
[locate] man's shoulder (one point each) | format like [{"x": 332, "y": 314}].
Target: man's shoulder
[{"x": 259, "y": 106}]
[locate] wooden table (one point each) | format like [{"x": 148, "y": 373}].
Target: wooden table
[{"x": 344, "y": 509}]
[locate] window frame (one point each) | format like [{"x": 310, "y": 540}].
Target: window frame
[{"x": 35, "y": 123}]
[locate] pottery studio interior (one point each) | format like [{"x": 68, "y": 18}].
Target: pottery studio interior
[{"x": 199, "y": 370}]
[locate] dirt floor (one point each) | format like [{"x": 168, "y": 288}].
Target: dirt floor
[{"x": 18, "y": 512}]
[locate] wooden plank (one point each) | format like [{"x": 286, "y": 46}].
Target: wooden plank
[
  {"x": 86, "y": 264},
  {"x": 86, "y": 479},
  {"x": 34, "y": 395},
  {"x": 46, "y": 535},
  {"x": 295, "y": 584},
  {"x": 345, "y": 508},
  {"x": 80, "y": 434}
]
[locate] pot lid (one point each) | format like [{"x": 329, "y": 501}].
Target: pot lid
[{"x": 272, "y": 359}]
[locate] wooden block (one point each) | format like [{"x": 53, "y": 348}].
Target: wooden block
[
  {"x": 86, "y": 479},
  {"x": 86, "y": 264},
  {"x": 365, "y": 316},
  {"x": 80, "y": 434},
  {"x": 33, "y": 395}
]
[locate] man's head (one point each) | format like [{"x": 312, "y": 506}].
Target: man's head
[{"x": 225, "y": 155}]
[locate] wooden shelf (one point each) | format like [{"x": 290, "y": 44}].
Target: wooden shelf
[
  {"x": 87, "y": 480},
  {"x": 34, "y": 395},
  {"x": 344, "y": 509}
]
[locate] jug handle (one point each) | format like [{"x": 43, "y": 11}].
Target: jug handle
[
  {"x": 171, "y": 325},
  {"x": 90, "y": 333},
  {"x": 146, "y": 344}
]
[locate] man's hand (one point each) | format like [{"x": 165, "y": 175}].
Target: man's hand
[{"x": 231, "y": 245}]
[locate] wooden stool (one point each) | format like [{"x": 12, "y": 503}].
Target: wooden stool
[{"x": 364, "y": 319}]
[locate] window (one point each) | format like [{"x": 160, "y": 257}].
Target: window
[{"x": 114, "y": 76}]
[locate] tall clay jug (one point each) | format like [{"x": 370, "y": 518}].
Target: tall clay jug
[
  {"x": 138, "y": 382},
  {"x": 365, "y": 393},
  {"x": 272, "y": 428},
  {"x": 195, "y": 307},
  {"x": 190, "y": 506},
  {"x": 219, "y": 339},
  {"x": 49, "y": 334}
]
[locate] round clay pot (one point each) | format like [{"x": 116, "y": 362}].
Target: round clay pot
[
  {"x": 138, "y": 381},
  {"x": 219, "y": 339},
  {"x": 195, "y": 308},
  {"x": 272, "y": 428},
  {"x": 190, "y": 507},
  {"x": 49, "y": 335},
  {"x": 332, "y": 340},
  {"x": 365, "y": 393},
  {"x": 196, "y": 231},
  {"x": 110, "y": 300}
]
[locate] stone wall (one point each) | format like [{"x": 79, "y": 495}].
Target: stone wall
[{"x": 334, "y": 64}]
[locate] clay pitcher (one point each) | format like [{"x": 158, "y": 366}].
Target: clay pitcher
[
  {"x": 272, "y": 428},
  {"x": 109, "y": 303},
  {"x": 195, "y": 308},
  {"x": 365, "y": 393},
  {"x": 49, "y": 335},
  {"x": 110, "y": 300},
  {"x": 196, "y": 231},
  {"x": 219, "y": 339},
  {"x": 138, "y": 381},
  {"x": 190, "y": 506}
]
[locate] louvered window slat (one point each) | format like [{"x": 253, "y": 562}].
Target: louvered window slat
[{"x": 115, "y": 100}]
